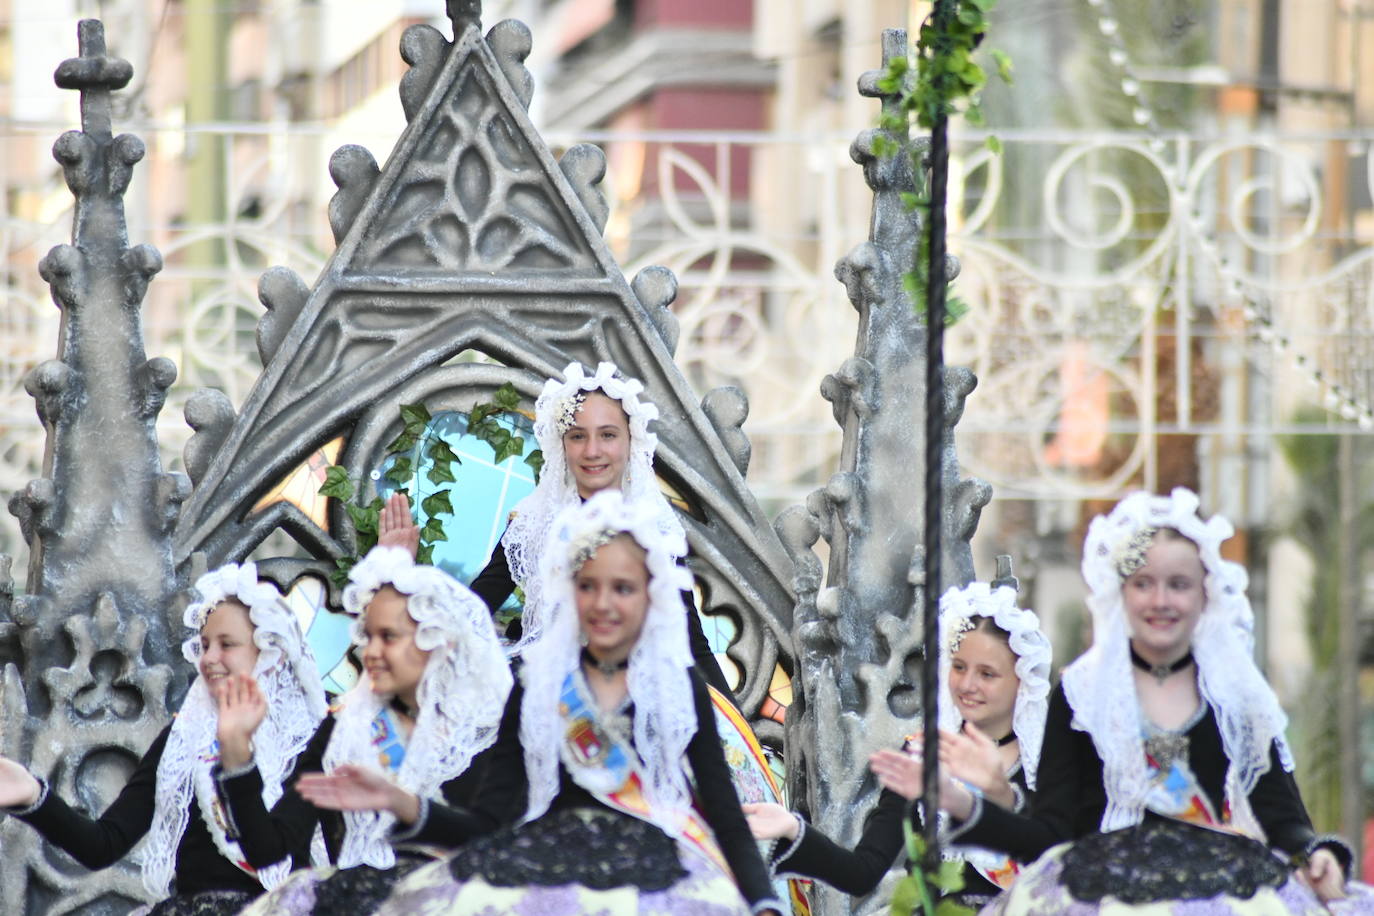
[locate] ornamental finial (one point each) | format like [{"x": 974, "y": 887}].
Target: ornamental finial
[{"x": 95, "y": 75}]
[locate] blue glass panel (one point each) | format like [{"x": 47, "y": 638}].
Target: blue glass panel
[{"x": 482, "y": 495}]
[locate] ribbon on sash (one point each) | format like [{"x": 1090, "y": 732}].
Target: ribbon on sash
[
  {"x": 1175, "y": 793},
  {"x": 754, "y": 780},
  {"x": 609, "y": 770}
]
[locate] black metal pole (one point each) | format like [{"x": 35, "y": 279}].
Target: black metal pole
[{"x": 935, "y": 442}]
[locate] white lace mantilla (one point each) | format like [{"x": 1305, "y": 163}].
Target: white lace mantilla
[
  {"x": 534, "y": 515},
  {"x": 1101, "y": 689},
  {"x": 658, "y": 681},
  {"x": 286, "y": 674},
  {"x": 461, "y": 695},
  {"x": 1033, "y": 657}
]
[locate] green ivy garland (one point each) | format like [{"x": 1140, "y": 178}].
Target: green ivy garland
[{"x": 415, "y": 431}]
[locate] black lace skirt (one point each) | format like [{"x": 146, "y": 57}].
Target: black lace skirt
[
  {"x": 1166, "y": 860},
  {"x": 208, "y": 903},
  {"x": 1166, "y": 866},
  {"x": 593, "y": 847}
]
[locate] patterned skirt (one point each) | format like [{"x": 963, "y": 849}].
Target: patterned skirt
[
  {"x": 206, "y": 903},
  {"x": 571, "y": 861},
  {"x": 327, "y": 891},
  {"x": 1163, "y": 868}
]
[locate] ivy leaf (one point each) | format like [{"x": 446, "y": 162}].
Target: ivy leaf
[
  {"x": 535, "y": 460},
  {"x": 439, "y": 450},
  {"x": 400, "y": 471},
  {"x": 511, "y": 448},
  {"x": 479, "y": 414},
  {"x": 1002, "y": 61},
  {"x": 993, "y": 144},
  {"x": 906, "y": 896},
  {"x": 336, "y": 483},
  {"x": 949, "y": 877},
  {"x": 440, "y": 474},
  {"x": 433, "y": 531},
  {"x": 363, "y": 520},
  {"x": 425, "y": 554},
  {"x": 415, "y": 417},
  {"x": 366, "y": 542},
  {"x": 342, "y": 566},
  {"x": 506, "y": 397},
  {"x": 402, "y": 443},
  {"x": 437, "y": 502}
]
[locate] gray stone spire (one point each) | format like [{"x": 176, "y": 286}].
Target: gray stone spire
[
  {"x": 91, "y": 639},
  {"x": 857, "y": 638}
]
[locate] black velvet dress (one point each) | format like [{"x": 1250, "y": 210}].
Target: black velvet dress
[{"x": 204, "y": 882}]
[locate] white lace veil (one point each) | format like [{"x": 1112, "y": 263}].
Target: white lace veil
[
  {"x": 1101, "y": 689},
  {"x": 1033, "y": 658},
  {"x": 665, "y": 716},
  {"x": 534, "y": 515},
  {"x": 461, "y": 695},
  {"x": 286, "y": 673}
]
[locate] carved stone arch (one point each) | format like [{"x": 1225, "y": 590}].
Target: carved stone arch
[{"x": 473, "y": 237}]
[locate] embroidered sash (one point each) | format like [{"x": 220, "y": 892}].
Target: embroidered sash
[
  {"x": 219, "y": 825},
  {"x": 609, "y": 769},
  {"x": 754, "y": 781},
  {"x": 1175, "y": 792}
]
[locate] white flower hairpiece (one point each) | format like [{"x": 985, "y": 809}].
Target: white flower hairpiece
[
  {"x": 1129, "y": 555},
  {"x": 565, "y": 411}
]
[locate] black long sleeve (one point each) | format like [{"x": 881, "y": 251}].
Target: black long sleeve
[
  {"x": 100, "y": 842},
  {"x": 720, "y": 804},
  {"x": 1072, "y": 797},
  {"x": 855, "y": 871},
  {"x": 267, "y": 837},
  {"x": 494, "y": 583},
  {"x": 292, "y": 819}
]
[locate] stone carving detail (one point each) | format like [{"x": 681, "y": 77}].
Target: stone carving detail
[
  {"x": 90, "y": 638},
  {"x": 858, "y": 639},
  {"x": 473, "y": 239}
]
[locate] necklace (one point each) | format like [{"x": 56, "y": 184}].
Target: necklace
[
  {"x": 607, "y": 669},
  {"x": 1161, "y": 672},
  {"x": 1003, "y": 742}
]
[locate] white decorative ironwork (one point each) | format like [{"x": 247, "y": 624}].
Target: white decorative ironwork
[{"x": 1083, "y": 254}]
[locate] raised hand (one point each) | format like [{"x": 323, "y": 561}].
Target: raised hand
[
  {"x": 18, "y": 787},
  {"x": 354, "y": 788},
  {"x": 972, "y": 756},
  {"x": 904, "y": 774},
  {"x": 898, "y": 772},
  {"x": 768, "y": 821},
  {"x": 241, "y": 709},
  {"x": 396, "y": 527},
  {"x": 1322, "y": 873}
]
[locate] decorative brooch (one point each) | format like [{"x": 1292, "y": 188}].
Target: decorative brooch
[
  {"x": 566, "y": 413},
  {"x": 1130, "y": 556}
]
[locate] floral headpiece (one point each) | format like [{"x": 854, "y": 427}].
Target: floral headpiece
[
  {"x": 565, "y": 411},
  {"x": 585, "y": 545}
]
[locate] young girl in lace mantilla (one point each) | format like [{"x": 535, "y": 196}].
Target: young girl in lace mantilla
[{"x": 240, "y": 626}]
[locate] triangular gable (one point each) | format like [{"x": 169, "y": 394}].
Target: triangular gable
[{"x": 472, "y": 237}]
